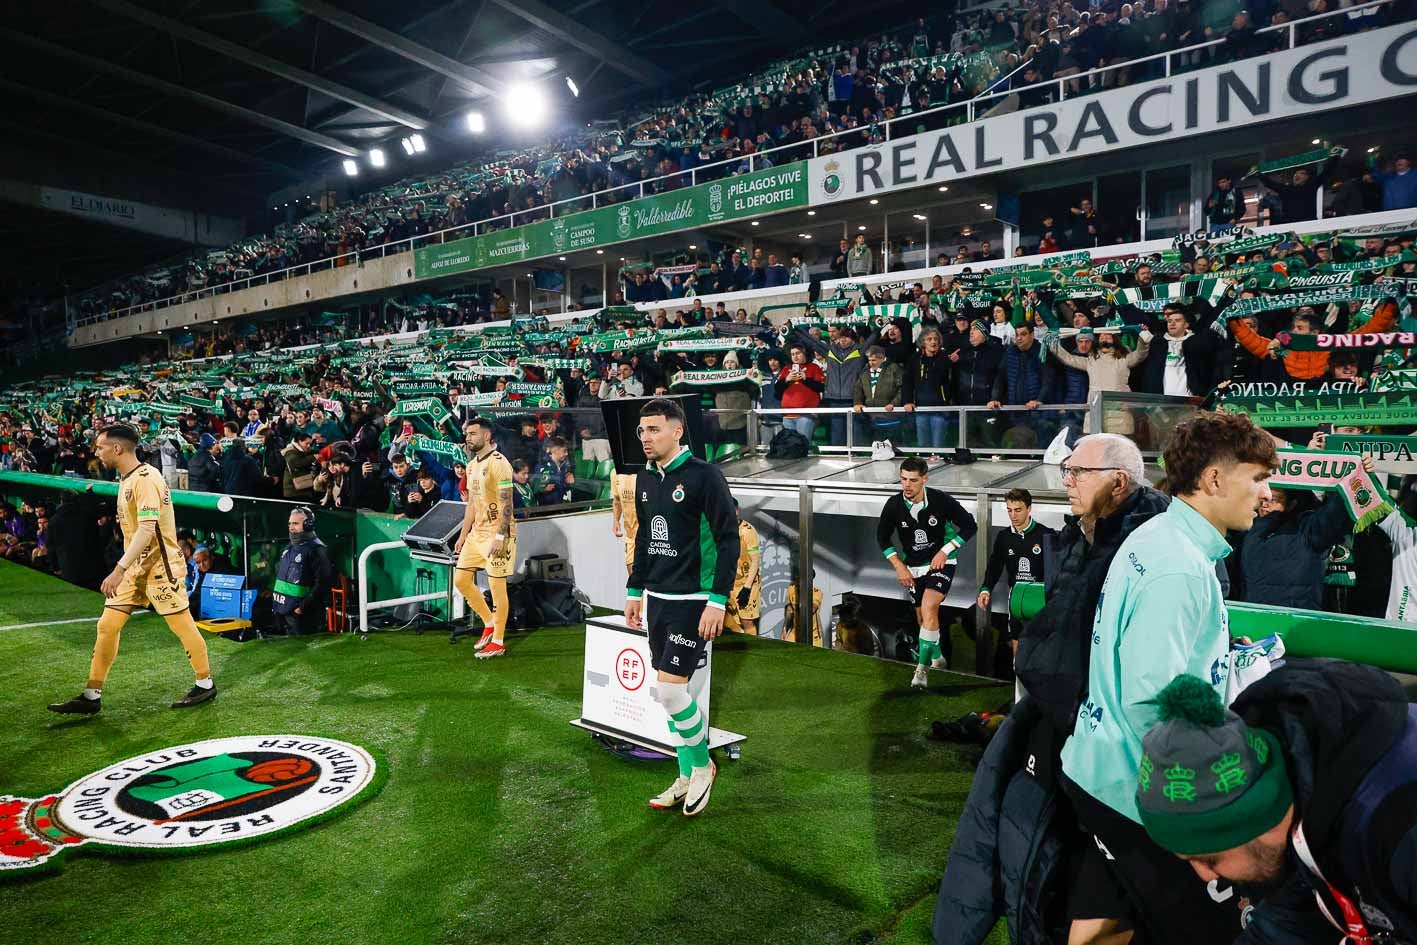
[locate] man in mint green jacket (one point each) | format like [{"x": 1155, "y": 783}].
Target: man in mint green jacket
[{"x": 1161, "y": 612}]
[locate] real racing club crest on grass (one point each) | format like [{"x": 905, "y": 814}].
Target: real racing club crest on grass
[{"x": 205, "y": 794}]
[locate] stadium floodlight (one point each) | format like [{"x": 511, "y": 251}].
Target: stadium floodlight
[
  {"x": 376, "y": 157},
  {"x": 476, "y": 123},
  {"x": 351, "y": 167},
  {"x": 571, "y": 84},
  {"x": 418, "y": 145},
  {"x": 524, "y": 104},
  {"x": 407, "y": 147}
]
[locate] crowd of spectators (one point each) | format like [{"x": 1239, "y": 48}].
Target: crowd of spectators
[{"x": 827, "y": 99}]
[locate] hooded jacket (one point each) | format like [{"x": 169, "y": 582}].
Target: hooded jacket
[
  {"x": 1349, "y": 737},
  {"x": 1283, "y": 558},
  {"x": 303, "y": 578}
]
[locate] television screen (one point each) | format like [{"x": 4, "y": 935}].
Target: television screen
[{"x": 622, "y": 423}]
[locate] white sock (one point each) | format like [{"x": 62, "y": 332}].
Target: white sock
[
  {"x": 94, "y": 694},
  {"x": 205, "y": 683},
  {"x": 929, "y": 636}
]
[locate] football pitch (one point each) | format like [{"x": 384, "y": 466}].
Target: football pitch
[{"x": 498, "y": 822}]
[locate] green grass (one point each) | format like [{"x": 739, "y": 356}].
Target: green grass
[{"x": 499, "y": 822}]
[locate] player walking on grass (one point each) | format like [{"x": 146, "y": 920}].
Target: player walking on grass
[
  {"x": 622, "y": 513},
  {"x": 151, "y": 573},
  {"x": 685, "y": 556},
  {"x": 920, "y": 532},
  {"x": 745, "y": 604},
  {"x": 489, "y": 536}
]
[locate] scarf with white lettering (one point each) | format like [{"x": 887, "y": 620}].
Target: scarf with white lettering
[{"x": 1324, "y": 471}]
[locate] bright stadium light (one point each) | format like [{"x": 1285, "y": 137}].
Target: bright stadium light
[
  {"x": 524, "y": 104},
  {"x": 476, "y": 123},
  {"x": 571, "y": 84},
  {"x": 407, "y": 147},
  {"x": 376, "y": 157},
  {"x": 418, "y": 146}
]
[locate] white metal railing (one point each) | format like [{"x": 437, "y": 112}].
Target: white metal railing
[{"x": 971, "y": 109}]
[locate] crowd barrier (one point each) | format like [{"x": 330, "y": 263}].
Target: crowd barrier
[{"x": 1387, "y": 644}]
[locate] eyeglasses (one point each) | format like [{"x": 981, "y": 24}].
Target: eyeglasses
[{"x": 1077, "y": 472}]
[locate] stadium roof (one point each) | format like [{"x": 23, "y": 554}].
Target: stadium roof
[{"x": 252, "y": 95}]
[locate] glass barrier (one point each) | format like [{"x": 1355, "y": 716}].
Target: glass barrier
[{"x": 1146, "y": 419}]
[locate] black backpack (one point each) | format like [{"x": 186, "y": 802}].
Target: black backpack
[{"x": 788, "y": 444}]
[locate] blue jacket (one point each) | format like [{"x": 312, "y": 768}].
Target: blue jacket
[
  {"x": 1399, "y": 190},
  {"x": 1282, "y": 561},
  {"x": 553, "y": 474},
  {"x": 1025, "y": 376},
  {"x": 447, "y": 482}
]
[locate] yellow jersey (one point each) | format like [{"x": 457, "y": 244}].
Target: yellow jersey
[
  {"x": 623, "y": 487},
  {"x": 143, "y": 496},
  {"x": 486, "y": 477},
  {"x": 747, "y": 547}
]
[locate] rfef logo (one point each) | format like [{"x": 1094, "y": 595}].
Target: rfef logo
[
  {"x": 630, "y": 669},
  {"x": 208, "y": 793}
]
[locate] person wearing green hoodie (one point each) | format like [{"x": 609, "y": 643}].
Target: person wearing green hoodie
[{"x": 1161, "y": 612}]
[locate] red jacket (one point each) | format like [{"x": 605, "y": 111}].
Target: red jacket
[{"x": 803, "y": 393}]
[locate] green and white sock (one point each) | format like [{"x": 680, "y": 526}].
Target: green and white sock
[
  {"x": 681, "y": 752},
  {"x": 929, "y": 647},
  {"x": 693, "y": 729}
]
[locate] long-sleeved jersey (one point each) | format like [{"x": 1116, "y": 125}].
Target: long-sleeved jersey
[
  {"x": 1017, "y": 554},
  {"x": 917, "y": 532},
  {"x": 687, "y": 543}
]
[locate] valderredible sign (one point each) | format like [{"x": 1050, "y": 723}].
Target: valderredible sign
[
  {"x": 735, "y": 198},
  {"x": 1341, "y": 73}
]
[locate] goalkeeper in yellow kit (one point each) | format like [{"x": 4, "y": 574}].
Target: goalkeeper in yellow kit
[
  {"x": 151, "y": 573},
  {"x": 489, "y": 536}
]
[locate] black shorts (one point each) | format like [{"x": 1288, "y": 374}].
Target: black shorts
[
  {"x": 675, "y": 646},
  {"x": 939, "y": 580},
  {"x": 1166, "y": 902}
]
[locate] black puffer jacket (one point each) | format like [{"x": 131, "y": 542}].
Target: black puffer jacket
[
  {"x": 974, "y": 373},
  {"x": 1052, "y": 655},
  {"x": 1008, "y": 854},
  {"x": 1350, "y": 745}
]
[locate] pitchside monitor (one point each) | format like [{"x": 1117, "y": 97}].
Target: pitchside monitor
[{"x": 622, "y": 423}]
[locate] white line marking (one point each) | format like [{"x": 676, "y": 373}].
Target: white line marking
[
  {"x": 49, "y": 623},
  {"x": 57, "y": 623}
]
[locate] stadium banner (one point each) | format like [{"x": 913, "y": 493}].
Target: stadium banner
[
  {"x": 1326, "y": 471},
  {"x": 1339, "y": 74},
  {"x": 1340, "y": 409},
  {"x": 1391, "y": 454},
  {"x": 735, "y": 198},
  {"x": 715, "y": 378},
  {"x": 444, "y": 448}
]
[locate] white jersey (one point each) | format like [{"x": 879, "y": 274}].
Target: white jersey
[{"x": 1403, "y": 533}]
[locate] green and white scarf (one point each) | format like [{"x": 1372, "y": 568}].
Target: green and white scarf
[{"x": 1343, "y": 473}]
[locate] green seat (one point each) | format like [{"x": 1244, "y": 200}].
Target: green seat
[
  {"x": 604, "y": 490},
  {"x": 603, "y": 469},
  {"x": 584, "y": 468}
]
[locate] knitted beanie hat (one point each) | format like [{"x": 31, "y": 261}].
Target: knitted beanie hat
[{"x": 1208, "y": 782}]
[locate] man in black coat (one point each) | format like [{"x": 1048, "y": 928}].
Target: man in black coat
[
  {"x": 303, "y": 578},
  {"x": 1182, "y": 362},
  {"x": 1310, "y": 783},
  {"x": 204, "y": 468}
]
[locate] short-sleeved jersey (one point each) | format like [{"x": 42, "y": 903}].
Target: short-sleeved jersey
[
  {"x": 747, "y": 547},
  {"x": 486, "y": 475},
  {"x": 623, "y": 487},
  {"x": 143, "y": 496}
]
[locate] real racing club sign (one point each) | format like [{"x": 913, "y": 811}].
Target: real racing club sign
[{"x": 204, "y": 794}]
